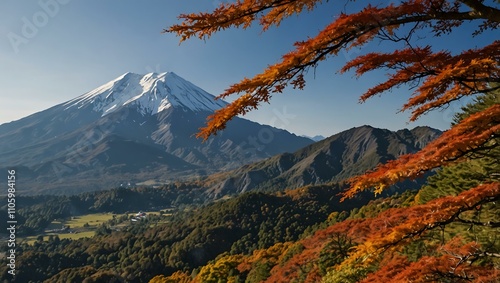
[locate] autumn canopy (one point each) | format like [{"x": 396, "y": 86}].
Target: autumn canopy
[{"x": 435, "y": 77}]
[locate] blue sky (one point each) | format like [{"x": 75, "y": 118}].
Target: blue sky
[{"x": 54, "y": 50}]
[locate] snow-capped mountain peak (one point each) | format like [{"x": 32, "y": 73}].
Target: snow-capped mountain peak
[{"x": 150, "y": 93}]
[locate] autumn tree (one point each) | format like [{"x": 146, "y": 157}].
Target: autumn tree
[{"x": 436, "y": 77}]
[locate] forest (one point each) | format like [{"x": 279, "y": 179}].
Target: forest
[{"x": 190, "y": 239}]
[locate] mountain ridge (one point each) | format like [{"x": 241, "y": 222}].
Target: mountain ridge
[{"x": 333, "y": 159}]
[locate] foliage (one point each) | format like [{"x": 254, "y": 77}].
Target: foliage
[
  {"x": 452, "y": 264},
  {"x": 334, "y": 252},
  {"x": 480, "y": 167},
  {"x": 468, "y": 150},
  {"x": 219, "y": 271},
  {"x": 176, "y": 277},
  {"x": 305, "y": 260}
]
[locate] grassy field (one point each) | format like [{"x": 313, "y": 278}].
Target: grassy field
[
  {"x": 86, "y": 234},
  {"x": 84, "y": 225},
  {"x": 76, "y": 225},
  {"x": 93, "y": 220}
]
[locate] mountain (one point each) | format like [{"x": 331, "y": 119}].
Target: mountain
[
  {"x": 333, "y": 159},
  {"x": 316, "y": 138},
  {"x": 133, "y": 129},
  {"x": 150, "y": 94}
]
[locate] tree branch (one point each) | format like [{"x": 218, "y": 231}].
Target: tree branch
[
  {"x": 486, "y": 224},
  {"x": 482, "y": 10},
  {"x": 448, "y": 220}
]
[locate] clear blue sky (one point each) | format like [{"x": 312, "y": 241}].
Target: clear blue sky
[{"x": 76, "y": 46}]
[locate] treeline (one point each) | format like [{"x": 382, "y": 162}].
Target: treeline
[{"x": 35, "y": 213}]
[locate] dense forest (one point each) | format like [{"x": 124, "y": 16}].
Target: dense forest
[{"x": 190, "y": 239}]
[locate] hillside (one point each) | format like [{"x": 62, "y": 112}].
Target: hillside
[{"x": 190, "y": 239}]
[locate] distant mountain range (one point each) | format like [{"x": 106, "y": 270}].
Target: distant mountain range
[
  {"x": 140, "y": 129},
  {"x": 333, "y": 159},
  {"x": 316, "y": 138},
  {"x": 132, "y": 129}
]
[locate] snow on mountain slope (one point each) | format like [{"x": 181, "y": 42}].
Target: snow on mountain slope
[{"x": 151, "y": 93}]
